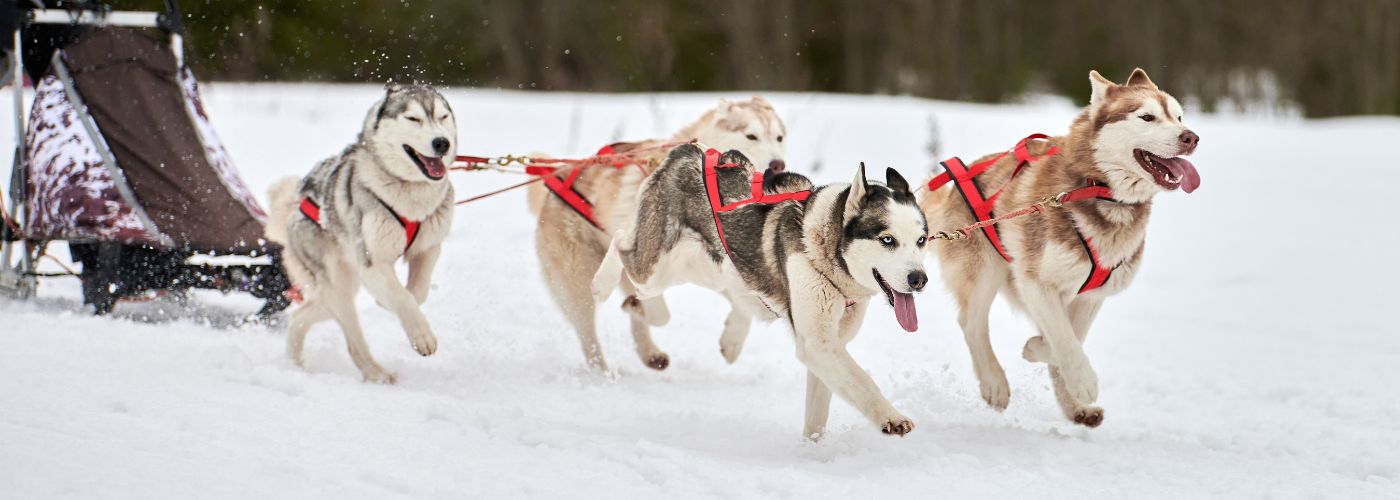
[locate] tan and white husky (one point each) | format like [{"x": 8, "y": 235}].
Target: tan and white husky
[
  {"x": 1130, "y": 138},
  {"x": 570, "y": 248}
]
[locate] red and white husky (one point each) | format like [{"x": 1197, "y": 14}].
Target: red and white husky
[{"x": 1130, "y": 139}]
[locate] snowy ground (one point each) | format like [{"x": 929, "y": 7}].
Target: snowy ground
[{"x": 1254, "y": 356}]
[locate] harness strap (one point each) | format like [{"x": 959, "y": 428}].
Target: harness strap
[
  {"x": 756, "y": 195},
  {"x": 964, "y": 178},
  {"x": 410, "y": 227},
  {"x": 564, "y": 188},
  {"x": 312, "y": 211},
  {"x": 981, "y": 207},
  {"x": 1020, "y": 150},
  {"x": 1098, "y": 274}
]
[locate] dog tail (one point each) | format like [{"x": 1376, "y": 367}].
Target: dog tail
[{"x": 281, "y": 202}]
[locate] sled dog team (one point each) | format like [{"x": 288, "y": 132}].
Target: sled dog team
[{"x": 720, "y": 211}]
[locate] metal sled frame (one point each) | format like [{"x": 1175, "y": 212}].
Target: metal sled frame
[{"x": 18, "y": 276}]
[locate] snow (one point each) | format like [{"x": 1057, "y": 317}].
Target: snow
[{"x": 1253, "y": 357}]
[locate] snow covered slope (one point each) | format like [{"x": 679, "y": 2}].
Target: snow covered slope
[{"x": 1255, "y": 356}]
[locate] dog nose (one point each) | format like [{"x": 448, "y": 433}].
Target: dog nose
[
  {"x": 1190, "y": 139},
  {"x": 917, "y": 280},
  {"x": 777, "y": 165},
  {"x": 441, "y": 144}
]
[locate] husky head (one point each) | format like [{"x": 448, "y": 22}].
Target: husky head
[
  {"x": 753, "y": 127},
  {"x": 1138, "y": 138},
  {"x": 413, "y": 133},
  {"x": 882, "y": 242}
]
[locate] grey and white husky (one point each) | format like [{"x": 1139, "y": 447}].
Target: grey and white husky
[
  {"x": 815, "y": 263},
  {"x": 347, "y": 222}
]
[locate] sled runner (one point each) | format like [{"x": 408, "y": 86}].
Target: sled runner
[{"x": 119, "y": 159}]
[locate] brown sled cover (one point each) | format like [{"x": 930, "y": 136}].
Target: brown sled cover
[{"x": 141, "y": 165}]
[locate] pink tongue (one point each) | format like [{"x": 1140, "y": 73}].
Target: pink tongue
[
  {"x": 434, "y": 166},
  {"x": 1179, "y": 167},
  {"x": 904, "y": 311}
]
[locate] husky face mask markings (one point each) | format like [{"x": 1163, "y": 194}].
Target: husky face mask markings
[
  {"x": 419, "y": 126},
  {"x": 1140, "y": 138},
  {"x": 815, "y": 263},
  {"x": 1130, "y": 139},
  {"x": 750, "y": 127},
  {"x": 883, "y": 243}
]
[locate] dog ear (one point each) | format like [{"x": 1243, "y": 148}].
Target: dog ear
[
  {"x": 895, "y": 181},
  {"x": 1100, "y": 86},
  {"x": 857, "y": 193},
  {"x": 392, "y": 86},
  {"x": 372, "y": 118},
  {"x": 1140, "y": 79}
]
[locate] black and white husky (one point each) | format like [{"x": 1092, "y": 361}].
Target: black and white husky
[
  {"x": 815, "y": 263},
  {"x": 347, "y": 222}
]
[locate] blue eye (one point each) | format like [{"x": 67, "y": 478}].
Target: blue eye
[{"x": 887, "y": 241}]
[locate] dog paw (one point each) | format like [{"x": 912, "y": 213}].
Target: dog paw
[
  {"x": 633, "y": 306},
  {"x": 1081, "y": 383},
  {"x": 658, "y": 361},
  {"x": 425, "y": 344},
  {"x": 1035, "y": 350},
  {"x": 1088, "y": 416},
  {"x": 381, "y": 377},
  {"x": 997, "y": 393},
  {"x": 897, "y": 426},
  {"x": 730, "y": 351}
]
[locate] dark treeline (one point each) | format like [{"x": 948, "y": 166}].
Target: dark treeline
[{"x": 1329, "y": 57}]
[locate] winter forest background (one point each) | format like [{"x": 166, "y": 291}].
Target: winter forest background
[{"x": 1314, "y": 57}]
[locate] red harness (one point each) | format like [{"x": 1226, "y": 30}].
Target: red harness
[
  {"x": 965, "y": 178},
  {"x": 410, "y": 227},
  {"x": 564, "y": 188},
  {"x": 717, "y": 205},
  {"x": 756, "y": 195}
]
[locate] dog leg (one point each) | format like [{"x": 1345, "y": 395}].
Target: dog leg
[
  {"x": 384, "y": 286},
  {"x": 818, "y": 407},
  {"x": 822, "y": 329},
  {"x": 736, "y": 332},
  {"x": 306, "y": 315},
  {"x": 580, "y": 311},
  {"x": 974, "y": 307},
  {"x": 568, "y": 269},
  {"x": 1082, "y": 311},
  {"x": 420, "y": 272},
  {"x": 1049, "y": 309},
  {"x": 338, "y": 297},
  {"x": 637, "y": 310}
]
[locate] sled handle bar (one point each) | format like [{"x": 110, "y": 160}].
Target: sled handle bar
[{"x": 125, "y": 18}]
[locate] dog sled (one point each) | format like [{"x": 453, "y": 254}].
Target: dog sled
[{"x": 118, "y": 159}]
